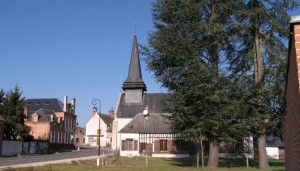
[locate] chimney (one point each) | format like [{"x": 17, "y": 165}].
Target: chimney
[
  {"x": 111, "y": 113},
  {"x": 66, "y": 103},
  {"x": 73, "y": 103},
  {"x": 26, "y": 112}
]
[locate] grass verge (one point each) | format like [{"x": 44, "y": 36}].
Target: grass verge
[{"x": 154, "y": 164}]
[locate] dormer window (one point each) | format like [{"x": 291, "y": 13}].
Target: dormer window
[{"x": 35, "y": 118}]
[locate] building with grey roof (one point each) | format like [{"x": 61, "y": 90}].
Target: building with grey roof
[
  {"x": 104, "y": 122},
  {"x": 51, "y": 120},
  {"x": 140, "y": 125}
]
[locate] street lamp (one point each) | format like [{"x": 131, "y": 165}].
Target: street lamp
[{"x": 94, "y": 102}]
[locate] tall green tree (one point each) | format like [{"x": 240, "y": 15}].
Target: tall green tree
[
  {"x": 2, "y": 93},
  {"x": 186, "y": 52},
  {"x": 13, "y": 114},
  {"x": 261, "y": 50}
]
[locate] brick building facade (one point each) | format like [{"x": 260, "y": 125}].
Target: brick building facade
[
  {"x": 51, "y": 120},
  {"x": 292, "y": 124},
  {"x": 79, "y": 136}
]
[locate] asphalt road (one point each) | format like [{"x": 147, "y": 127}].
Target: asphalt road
[{"x": 35, "y": 160}]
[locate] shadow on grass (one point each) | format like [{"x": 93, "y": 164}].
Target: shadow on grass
[
  {"x": 223, "y": 162},
  {"x": 181, "y": 162},
  {"x": 277, "y": 165},
  {"x": 237, "y": 162}
]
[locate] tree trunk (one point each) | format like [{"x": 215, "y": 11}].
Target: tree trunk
[
  {"x": 258, "y": 74},
  {"x": 263, "y": 160},
  {"x": 258, "y": 58},
  {"x": 213, "y": 158},
  {"x": 202, "y": 155},
  {"x": 198, "y": 155}
]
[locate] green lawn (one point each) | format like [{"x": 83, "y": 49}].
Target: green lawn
[{"x": 164, "y": 164}]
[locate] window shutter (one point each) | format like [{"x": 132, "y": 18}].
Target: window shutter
[
  {"x": 175, "y": 145},
  {"x": 123, "y": 145},
  {"x": 156, "y": 146},
  {"x": 169, "y": 145},
  {"x": 135, "y": 145}
]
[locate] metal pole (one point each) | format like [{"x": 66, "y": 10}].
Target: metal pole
[{"x": 94, "y": 102}]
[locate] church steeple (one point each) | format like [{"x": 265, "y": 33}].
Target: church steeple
[{"x": 134, "y": 80}]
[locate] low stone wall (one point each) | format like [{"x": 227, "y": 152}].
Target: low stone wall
[
  {"x": 14, "y": 148},
  {"x": 11, "y": 148}
]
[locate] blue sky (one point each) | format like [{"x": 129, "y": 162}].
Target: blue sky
[{"x": 78, "y": 48}]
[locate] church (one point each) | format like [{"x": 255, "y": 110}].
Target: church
[{"x": 140, "y": 126}]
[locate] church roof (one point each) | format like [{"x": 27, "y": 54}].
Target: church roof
[
  {"x": 134, "y": 79},
  {"x": 152, "y": 123},
  {"x": 130, "y": 110},
  {"x": 52, "y": 104}
]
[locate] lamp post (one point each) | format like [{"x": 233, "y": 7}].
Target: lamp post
[{"x": 94, "y": 102}]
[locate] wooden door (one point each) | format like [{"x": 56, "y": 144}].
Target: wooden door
[{"x": 149, "y": 149}]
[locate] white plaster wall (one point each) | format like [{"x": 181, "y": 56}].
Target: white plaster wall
[
  {"x": 124, "y": 136},
  {"x": 272, "y": 152},
  {"x": 248, "y": 143},
  {"x": 91, "y": 129},
  {"x": 134, "y": 136},
  {"x": 114, "y": 135},
  {"x": 118, "y": 125},
  {"x": 115, "y": 126}
]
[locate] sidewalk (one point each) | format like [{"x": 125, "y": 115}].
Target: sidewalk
[
  {"x": 48, "y": 162},
  {"x": 60, "y": 161}
]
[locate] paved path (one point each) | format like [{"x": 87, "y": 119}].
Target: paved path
[{"x": 39, "y": 160}]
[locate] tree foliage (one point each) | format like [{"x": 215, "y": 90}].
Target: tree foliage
[
  {"x": 186, "y": 54},
  {"x": 261, "y": 48},
  {"x": 206, "y": 53},
  {"x": 13, "y": 114},
  {"x": 265, "y": 24}
]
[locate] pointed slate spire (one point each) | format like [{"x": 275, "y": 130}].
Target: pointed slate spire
[{"x": 134, "y": 79}]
